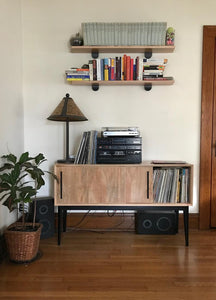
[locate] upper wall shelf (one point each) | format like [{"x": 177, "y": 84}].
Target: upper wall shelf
[{"x": 120, "y": 49}]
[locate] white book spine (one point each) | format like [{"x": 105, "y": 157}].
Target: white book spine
[
  {"x": 98, "y": 68},
  {"x": 140, "y": 73}
]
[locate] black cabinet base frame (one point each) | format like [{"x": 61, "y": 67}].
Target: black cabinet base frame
[{"x": 62, "y": 214}]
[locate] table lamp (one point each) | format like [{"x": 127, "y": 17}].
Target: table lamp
[{"x": 67, "y": 111}]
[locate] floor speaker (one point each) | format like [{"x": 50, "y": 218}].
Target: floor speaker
[
  {"x": 44, "y": 215},
  {"x": 156, "y": 222}
]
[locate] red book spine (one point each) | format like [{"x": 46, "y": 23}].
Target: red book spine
[
  {"x": 128, "y": 68},
  {"x": 131, "y": 69}
]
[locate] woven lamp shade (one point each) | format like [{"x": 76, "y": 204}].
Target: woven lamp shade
[{"x": 67, "y": 110}]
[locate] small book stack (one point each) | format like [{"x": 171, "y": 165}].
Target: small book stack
[
  {"x": 86, "y": 153},
  {"x": 153, "y": 68},
  {"x": 171, "y": 185},
  {"x": 129, "y": 34},
  {"x": 77, "y": 74}
]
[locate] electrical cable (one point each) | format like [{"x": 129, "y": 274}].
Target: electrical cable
[{"x": 76, "y": 228}]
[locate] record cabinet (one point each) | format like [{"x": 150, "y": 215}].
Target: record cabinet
[
  {"x": 119, "y": 184},
  {"x": 122, "y": 186}
]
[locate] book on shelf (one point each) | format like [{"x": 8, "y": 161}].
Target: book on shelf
[
  {"x": 112, "y": 69},
  {"x": 94, "y": 69},
  {"x": 98, "y": 70},
  {"x": 155, "y": 61},
  {"x": 106, "y": 69},
  {"x": 78, "y": 78},
  {"x": 153, "y": 72},
  {"x": 152, "y": 78},
  {"x": 90, "y": 69},
  {"x": 153, "y": 67}
]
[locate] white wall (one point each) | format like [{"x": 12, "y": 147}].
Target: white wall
[
  {"x": 11, "y": 102},
  {"x": 168, "y": 117}
]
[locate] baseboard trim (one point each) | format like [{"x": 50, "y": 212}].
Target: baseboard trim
[{"x": 115, "y": 221}]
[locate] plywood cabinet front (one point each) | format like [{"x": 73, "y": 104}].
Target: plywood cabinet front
[{"x": 103, "y": 184}]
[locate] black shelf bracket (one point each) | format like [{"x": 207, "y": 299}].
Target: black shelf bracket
[
  {"x": 95, "y": 53},
  {"x": 147, "y": 86},
  {"x": 95, "y": 86},
  {"x": 148, "y": 54}
]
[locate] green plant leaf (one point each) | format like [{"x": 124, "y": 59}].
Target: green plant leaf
[
  {"x": 26, "y": 189},
  {"x": 39, "y": 158},
  {"x": 10, "y": 157},
  {"x": 6, "y": 166},
  {"x": 4, "y": 186},
  {"x": 6, "y": 178},
  {"x": 40, "y": 183},
  {"x": 15, "y": 173},
  {"x": 53, "y": 175},
  {"x": 24, "y": 157}
]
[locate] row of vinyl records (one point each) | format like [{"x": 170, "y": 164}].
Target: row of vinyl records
[
  {"x": 86, "y": 153},
  {"x": 138, "y": 33},
  {"x": 119, "y": 68},
  {"x": 171, "y": 185}
]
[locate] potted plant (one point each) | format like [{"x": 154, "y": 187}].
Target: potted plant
[{"x": 20, "y": 179}]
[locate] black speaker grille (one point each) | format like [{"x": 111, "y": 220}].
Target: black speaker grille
[
  {"x": 164, "y": 224},
  {"x": 44, "y": 215},
  {"x": 156, "y": 222}
]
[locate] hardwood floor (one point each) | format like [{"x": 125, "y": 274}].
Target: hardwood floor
[{"x": 116, "y": 265}]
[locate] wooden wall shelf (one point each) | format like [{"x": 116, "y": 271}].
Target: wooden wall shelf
[
  {"x": 147, "y": 84},
  {"x": 122, "y": 82},
  {"x": 120, "y": 49}
]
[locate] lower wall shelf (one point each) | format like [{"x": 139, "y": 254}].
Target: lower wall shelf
[{"x": 147, "y": 84}]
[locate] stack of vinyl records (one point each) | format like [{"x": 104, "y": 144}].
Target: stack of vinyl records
[
  {"x": 86, "y": 153},
  {"x": 129, "y": 34}
]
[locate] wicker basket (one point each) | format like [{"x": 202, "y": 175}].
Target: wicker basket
[{"x": 22, "y": 245}]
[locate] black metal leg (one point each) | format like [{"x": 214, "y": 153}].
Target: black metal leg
[
  {"x": 64, "y": 220},
  {"x": 177, "y": 220},
  {"x": 186, "y": 225},
  {"x": 59, "y": 224}
]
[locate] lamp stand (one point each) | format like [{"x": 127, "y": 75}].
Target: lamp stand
[{"x": 68, "y": 160}]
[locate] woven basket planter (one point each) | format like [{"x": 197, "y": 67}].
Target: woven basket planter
[{"x": 22, "y": 245}]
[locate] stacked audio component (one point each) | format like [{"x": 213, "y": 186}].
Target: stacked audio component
[{"x": 119, "y": 146}]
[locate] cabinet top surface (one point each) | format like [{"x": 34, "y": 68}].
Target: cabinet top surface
[{"x": 143, "y": 164}]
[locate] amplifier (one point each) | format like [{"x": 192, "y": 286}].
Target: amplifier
[
  {"x": 119, "y": 150},
  {"x": 119, "y": 157},
  {"x": 119, "y": 147},
  {"x": 119, "y": 141}
]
